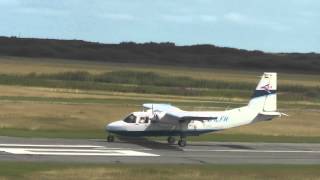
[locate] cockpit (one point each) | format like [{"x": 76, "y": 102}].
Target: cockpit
[{"x": 130, "y": 119}]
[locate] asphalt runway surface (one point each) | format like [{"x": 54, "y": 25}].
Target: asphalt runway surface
[{"x": 144, "y": 151}]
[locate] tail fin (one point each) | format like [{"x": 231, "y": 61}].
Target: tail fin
[{"x": 264, "y": 97}]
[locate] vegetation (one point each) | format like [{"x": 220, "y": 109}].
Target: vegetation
[
  {"x": 23, "y": 170},
  {"x": 161, "y": 54},
  {"x": 51, "y": 112},
  {"x": 101, "y": 134},
  {"x": 88, "y": 95},
  {"x": 64, "y": 98},
  {"x": 150, "y": 82}
]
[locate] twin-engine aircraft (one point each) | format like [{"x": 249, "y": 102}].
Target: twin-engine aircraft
[{"x": 167, "y": 120}]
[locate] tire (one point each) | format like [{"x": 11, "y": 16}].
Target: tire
[
  {"x": 110, "y": 138},
  {"x": 182, "y": 143}
]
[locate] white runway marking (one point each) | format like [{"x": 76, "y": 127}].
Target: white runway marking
[
  {"x": 71, "y": 150},
  {"x": 257, "y": 151},
  {"x": 50, "y": 145}
]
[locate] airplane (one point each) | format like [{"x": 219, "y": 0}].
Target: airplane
[{"x": 171, "y": 121}]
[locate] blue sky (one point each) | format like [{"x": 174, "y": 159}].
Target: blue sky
[{"x": 273, "y": 25}]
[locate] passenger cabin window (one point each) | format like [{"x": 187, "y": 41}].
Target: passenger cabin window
[
  {"x": 141, "y": 119},
  {"x": 144, "y": 120},
  {"x": 130, "y": 119}
]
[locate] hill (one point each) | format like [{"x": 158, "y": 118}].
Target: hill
[{"x": 161, "y": 54}]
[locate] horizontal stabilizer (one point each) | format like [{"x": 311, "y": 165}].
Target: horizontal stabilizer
[
  {"x": 271, "y": 113},
  {"x": 268, "y": 115}
]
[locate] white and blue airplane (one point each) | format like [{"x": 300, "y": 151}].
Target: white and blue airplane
[{"x": 167, "y": 120}]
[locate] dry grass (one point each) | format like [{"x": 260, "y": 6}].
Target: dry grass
[
  {"x": 45, "y": 116},
  {"x": 44, "y": 170},
  {"x": 299, "y": 123},
  {"x": 51, "y": 116},
  {"x": 23, "y": 91},
  {"x": 16, "y": 65},
  {"x": 176, "y": 173},
  {"x": 27, "y": 170},
  {"x": 58, "y": 116},
  {"x": 37, "y": 115}
]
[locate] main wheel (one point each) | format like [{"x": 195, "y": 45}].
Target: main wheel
[
  {"x": 110, "y": 138},
  {"x": 182, "y": 143},
  {"x": 171, "y": 140}
]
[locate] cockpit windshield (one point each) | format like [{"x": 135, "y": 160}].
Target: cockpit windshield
[{"x": 130, "y": 119}]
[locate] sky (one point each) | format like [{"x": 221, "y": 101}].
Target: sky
[{"x": 267, "y": 25}]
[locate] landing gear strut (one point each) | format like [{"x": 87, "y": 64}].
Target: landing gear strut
[
  {"x": 110, "y": 138},
  {"x": 182, "y": 141},
  {"x": 171, "y": 140}
]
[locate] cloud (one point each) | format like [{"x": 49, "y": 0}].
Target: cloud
[
  {"x": 189, "y": 18},
  {"x": 40, "y": 11},
  {"x": 118, "y": 16},
  {"x": 243, "y": 19},
  {"x": 177, "y": 18},
  {"x": 277, "y": 26},
  {"x": 237, "y": 18},
  {"x": 9, "y": 2},
  {"x": 208, "y": 18},
  {"x": 309, "y": 14}
]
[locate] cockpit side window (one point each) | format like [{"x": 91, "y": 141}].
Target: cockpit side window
[{"x": 130, "y": 119}]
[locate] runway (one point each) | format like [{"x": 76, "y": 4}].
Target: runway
[{"x": 144, "y": 151}]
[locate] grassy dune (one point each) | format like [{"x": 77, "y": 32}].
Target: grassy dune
[
  {"x": 20, "y": 170},
  {"x": 14, "y": 65},
  {"x": 64, "y": 112}
]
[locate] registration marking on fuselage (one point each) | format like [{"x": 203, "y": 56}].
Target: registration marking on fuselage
[{"x": 69, "y": 150}]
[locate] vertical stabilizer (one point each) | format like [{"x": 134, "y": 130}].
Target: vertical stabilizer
[{"x": 264, "y": 97}]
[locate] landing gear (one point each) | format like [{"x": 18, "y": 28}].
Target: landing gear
[
  {"x": 182, "y": 141},
  {"x": 171, "y": 140},
  {"x": 110, "y": 138}
]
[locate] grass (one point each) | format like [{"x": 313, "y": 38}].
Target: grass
[
  {"x": 64, "y": 106},
  {"x": 223, "y": 137},
  {"x": 23, "y": 170},
  {"x": 31, "y": 112},
  {"x": 18, "y": 65},
  {"x": 72, "y": 134},
  {"x": 215, "y": 137},
  {"x": 150, "y": 82}
]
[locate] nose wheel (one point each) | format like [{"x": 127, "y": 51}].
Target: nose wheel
[{"x": 110, "y": 138}]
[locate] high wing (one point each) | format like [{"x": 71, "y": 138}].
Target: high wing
[
  {"x": 162, "y": 107},
  {"x": 178, "y": 114}
]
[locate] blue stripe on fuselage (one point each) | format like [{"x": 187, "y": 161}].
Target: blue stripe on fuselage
[{"x": 161, "y": 133}]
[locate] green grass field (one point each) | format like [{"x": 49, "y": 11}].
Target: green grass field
[
  {"x": 46, "y": 101},
  {"x": 47, "y": 106},
  {"x": 23, "y": 170}
]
